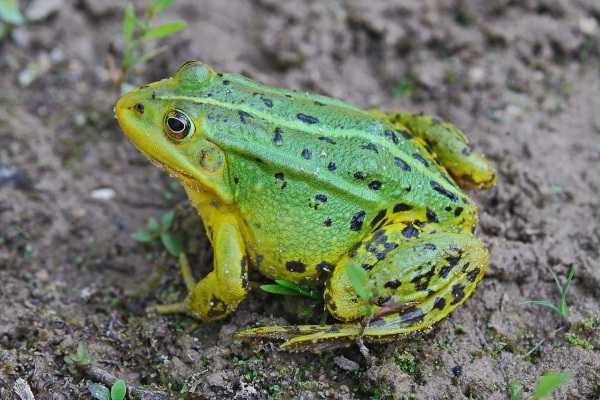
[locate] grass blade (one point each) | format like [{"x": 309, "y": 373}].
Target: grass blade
[
  {"x": 278, "y": 289},
  {"x": 287, "y": 284},
  {"x": 564, "y": 308},
  {"x": 548, "y": 383},
  {"x": 545, "y": 303},
  {"x": 129, "y": 24},
  {"x": 163, "y": 30}
]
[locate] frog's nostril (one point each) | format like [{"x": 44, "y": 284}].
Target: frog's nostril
[{"x": 139, "y": 107}]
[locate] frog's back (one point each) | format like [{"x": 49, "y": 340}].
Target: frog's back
[
  {"x": 311, "y": 168},
  {"x": 327, "y": 141}
]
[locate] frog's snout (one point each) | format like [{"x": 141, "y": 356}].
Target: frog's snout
[{"x": 128, "y": 102}]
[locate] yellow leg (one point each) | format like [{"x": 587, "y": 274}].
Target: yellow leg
[
  {"x": 469, "y": 168},
  {"x": 416, "y": 283},
  {"x": 218, "y": 293}
]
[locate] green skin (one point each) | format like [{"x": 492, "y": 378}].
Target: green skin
[{"x": 300, "y": 186}]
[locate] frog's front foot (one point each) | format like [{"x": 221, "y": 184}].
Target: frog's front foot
[
  {"x": 184, "y": 306},
  {"x": 217, "y": 294}
]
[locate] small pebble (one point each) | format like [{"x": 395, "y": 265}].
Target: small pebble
[
  {"x": 103, "y": 194},
  {"x": 345, "y": 363},
  {"x": 588, "y": 26}
]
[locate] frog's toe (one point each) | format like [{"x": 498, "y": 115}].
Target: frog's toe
[
  {"x": 315, "y": 338},
  {"x": 175, "y": 308}
]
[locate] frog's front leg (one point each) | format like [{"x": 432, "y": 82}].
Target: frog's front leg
[
  {"x": 414, "y": 281},
  {"x": 218, "y": 293},
  {"x": 469, "y": 168}
]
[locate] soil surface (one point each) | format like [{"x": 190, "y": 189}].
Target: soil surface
[{"x": 519, "y": 77}]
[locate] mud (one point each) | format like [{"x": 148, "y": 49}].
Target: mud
[{"x": 520, "y": 77}]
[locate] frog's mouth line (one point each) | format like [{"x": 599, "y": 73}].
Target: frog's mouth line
[{"x": 173, "y": 172}]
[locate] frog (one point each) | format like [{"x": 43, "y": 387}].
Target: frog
[{"x": 303, "y": 187}]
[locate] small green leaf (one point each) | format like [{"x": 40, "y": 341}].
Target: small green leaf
[
  {"x": 99, "y": 392},
  {"x": 9, "y": 12},
  {"x": 167, "y": 220},
  {"x": 404, "y": 88},
  {"x": 277, "y": 289},
  {"x": 129, "y": 23},
  {"x": 548, "y": 383},
  {"x": 359, "y": 278},
  {"x": 83, "y": 357},
  {"x": 118, "y": 390},
  {"x": 172, "y": 243},
  {"x": 164, "y": 30},
  {"x": 143, "y": 237},
  {"x": 516, "y": 391},
  {"x": 160, "y": 5},
  {"x": 153, "y": 225}
]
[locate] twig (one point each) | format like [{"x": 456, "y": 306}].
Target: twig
[
  {"x": 22, "y": 389},
  {"x": 537, "y": 346}
]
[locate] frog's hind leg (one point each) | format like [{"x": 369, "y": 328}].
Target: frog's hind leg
[
  {"x": 415, "y": 282},
  {"x": 469, "y": 168}
]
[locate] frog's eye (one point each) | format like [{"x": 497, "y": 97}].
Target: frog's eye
[{"x": 178, "y": 126}]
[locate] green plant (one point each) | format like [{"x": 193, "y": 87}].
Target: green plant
[
  {"x": 562, "y": 308},
  {"x": 405, "y": 87},
  {"x": 406, "y": 362},
  {"x": 516, "y": 391},
  {"x": 160, "y": 231},
  {"x": 498, "y": 349},
  {"x": 359, "y": 279},
  {"x": 287, "y": 288},
  {"x": 138, "y": 31},
  {"x": 577, "y": 341},
  {"x": 9, "y": 15},
  {"x": 117, "y": 391},
  {"x": 80, "y": 359},
  {"x": 544, "y": 387}
]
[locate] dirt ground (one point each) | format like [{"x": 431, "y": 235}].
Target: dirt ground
[{"x": 520, "y": 77}]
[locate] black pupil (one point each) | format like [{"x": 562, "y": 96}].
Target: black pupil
[{"x": 175, "y": 124}]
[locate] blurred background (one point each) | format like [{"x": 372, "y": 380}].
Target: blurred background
[{"x": 521, "y": 78}]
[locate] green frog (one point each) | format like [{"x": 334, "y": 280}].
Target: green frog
[{"x": 303, "y": 187}]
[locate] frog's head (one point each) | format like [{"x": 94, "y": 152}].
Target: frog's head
[{"x": 165, "y": 124}]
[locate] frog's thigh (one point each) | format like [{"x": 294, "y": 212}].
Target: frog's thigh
[
  {"x": 469, "y": 168},
  {"x": 220, "y": 292},
  {"x": 431, "y": 274}
]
